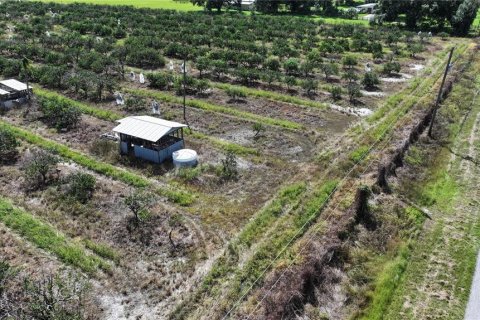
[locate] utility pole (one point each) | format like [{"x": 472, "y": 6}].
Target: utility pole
[
  {"x": 439, "y": 96},
  {"x": 185, "y": 91}
]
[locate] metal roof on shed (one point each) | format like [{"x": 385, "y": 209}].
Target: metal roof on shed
[
  {"x": 146, "y": 127},
  {"x": 3, "y": 92},
  {"x": 14, "y": 84}
]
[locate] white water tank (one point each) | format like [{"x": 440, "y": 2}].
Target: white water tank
[{"x": 185, "y": 158}]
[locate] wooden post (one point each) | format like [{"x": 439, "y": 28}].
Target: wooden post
[
  {"x": 439, "y": 96},
  {"x": 185, "y": 92}
]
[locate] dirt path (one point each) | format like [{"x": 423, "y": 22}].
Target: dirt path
[{"x": 473, "y": 306}]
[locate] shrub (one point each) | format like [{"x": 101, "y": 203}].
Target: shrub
[
  {"x": 390, "y": 67},
  {"x": 350, "y": 76},
  {"x": 329, "y": 69},
  {"x": 8, "y": 146},
  {"x": 291, "y": 66},
  {"x": 353, "y": 92},
  {"x": 443, "y": 35},
  {"x": 59, "y": 113},
  {"x": 370, "y": 80},
  {"x": 106, "y": 149},
  {"x": 159, "y": 80},
  {"x": 201, "y": 86},
  {"x": 36, "y": 167},
  {"x": 135, "y": 103},
  {"x": 81, "y": 186},
  {"x": 272, "y": 64},
  {"x": 336, "y": 92},
  {"x": 257, "y": 128},
  {"x": 138, "y": 203},
  {"x": 290, "y": 82},
  {"x": 235, "y": 93},
  {"x": 349, "y": 61},
  {"x": 351, "y": 14},
  {"x": 310, "y": 86},
  {"x": 189, "y": 174},
  {"x": 229, "y": 170}
]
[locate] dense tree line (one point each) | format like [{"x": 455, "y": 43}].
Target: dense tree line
[
  {"x": 460, "y": 14},
  {"x": 96, "y": 43}
]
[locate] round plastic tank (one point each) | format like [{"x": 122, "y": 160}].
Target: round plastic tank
[{"x": 185, "y": 158}]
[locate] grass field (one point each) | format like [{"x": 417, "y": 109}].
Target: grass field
[{"x": 157, "y": 4}]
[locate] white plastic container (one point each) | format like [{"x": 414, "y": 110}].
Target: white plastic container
[{"x": 185, "y": 158}]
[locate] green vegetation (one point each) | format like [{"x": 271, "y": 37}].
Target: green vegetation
[
  {"x": 46, "y": 237},
  {"x": 270, "y": 95},
  {"x": 59, "y": 114},
  {"x": 225, "y": 145},
  {"x": 441, "y": 191},
  {"x": 202, "y": 105},
  {"x": 174, "y": 194},
  {"x": 102, "y": 250},
  {"x": 155, "y": 4},
  {"x": 8, "y": 146},
  {"x": 83, "y": 107},
  {"x": 293, "y": 224},
  {"x": 81, "y": 186},
  {"x": 386, "y": 283},
  {"x": 113, "y": 116}
]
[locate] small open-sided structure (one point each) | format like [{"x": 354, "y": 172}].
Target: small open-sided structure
[
  {"x": 150, "y": 138},
  {"x": 366, "y": 8},
  {"x": 13, "y": 91}
]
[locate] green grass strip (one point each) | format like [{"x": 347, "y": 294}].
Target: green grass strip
[
  {"x": 225, "y": 145},
  {"x": 102, "y": 250},
  {"x": 181, "y": 197},
  {"x": 47, "y": 238},
  {"x": 386, "y": 284},
  {"x": 84, "y": 108},
  {"x": 270, "y": 95},
  {"x": 210, "y": 107}
]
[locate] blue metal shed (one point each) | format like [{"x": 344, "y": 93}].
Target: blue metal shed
[{"x": 150, "y": 138}]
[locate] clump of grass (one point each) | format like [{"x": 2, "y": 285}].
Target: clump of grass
[
  {"x": 225, "y": 145},
  {"x": 102, "y": 250},
  {"x": 359, "y": 153},
  {"x": 46, "y": 237},
  {"x": 386, "y": 283}
]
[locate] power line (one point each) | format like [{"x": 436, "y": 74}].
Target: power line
[
  {"x": 310, "y": 238},
  {"x": 300, "y": 230}
]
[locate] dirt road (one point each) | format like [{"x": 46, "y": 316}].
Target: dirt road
[{"x": 473, "y": 307}]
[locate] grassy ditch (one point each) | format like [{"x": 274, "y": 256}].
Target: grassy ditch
[{"x": 440, "y": 191}]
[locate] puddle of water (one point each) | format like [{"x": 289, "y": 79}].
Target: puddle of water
[
  {"x": 372, "y": 93},
  {"x": 416, "y": 67},
  {"x": 361, "y": 112}
]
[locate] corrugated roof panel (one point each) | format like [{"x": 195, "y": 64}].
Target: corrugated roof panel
[
  {"x": 146, "y": 127},
  {"x": 3, "y": 92},
  {"x": 14, "y": 84}
]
